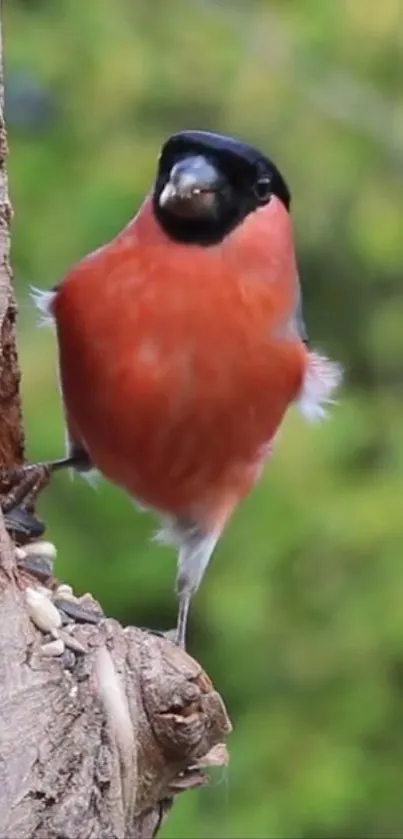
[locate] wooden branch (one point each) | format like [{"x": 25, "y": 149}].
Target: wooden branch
[
  {"x": 11, "y": 431},
  {"x": 98, "y": 744},
  {"x": 100, "y": 727}
]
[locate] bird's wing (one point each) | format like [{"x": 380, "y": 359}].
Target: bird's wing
[{"x": 299, "y": 316}]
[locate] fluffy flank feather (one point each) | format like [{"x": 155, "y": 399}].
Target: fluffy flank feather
[
  {"x": 43, "y": 301},
  {"x": 173, "y": 531},
  {"x": 92, "y": 477},
  {"x": 322, "y": 378}
]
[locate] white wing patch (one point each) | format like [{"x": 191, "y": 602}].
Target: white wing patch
[
  {"x": 321, "y": 380},
  {"x": 43, "y": 301}
]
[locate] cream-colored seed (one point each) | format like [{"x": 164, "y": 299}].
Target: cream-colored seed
[
  {"x": 45, "y": 591},
  {"x": 42, "y": 611},
  {"x": 72, "y": 643},
  {"x": 65, "y": 591},
  {"x": 46, "y": 549},
  {"x": 53, "y": 648}
]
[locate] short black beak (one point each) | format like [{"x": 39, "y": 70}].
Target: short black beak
[{"x": 191, "y": 177}]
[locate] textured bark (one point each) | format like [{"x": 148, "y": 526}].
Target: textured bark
[
  {"x": 99, "y": 750},
  {"x": 93, "y": 745},
  {"x": 11, "y": 433}
]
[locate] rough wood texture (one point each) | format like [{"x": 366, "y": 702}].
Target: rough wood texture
[
  {"x": 100, "y": 750},
  {"x": 92, "y": 746},
  {"x": 11, "y": 433}
]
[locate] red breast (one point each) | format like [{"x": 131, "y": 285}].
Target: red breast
[{"x": 178, "y": 362}]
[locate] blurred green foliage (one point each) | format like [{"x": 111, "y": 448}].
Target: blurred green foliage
[{"x": 300, "y": 620}]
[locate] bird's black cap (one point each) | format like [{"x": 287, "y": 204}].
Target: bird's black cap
[{"x": 245, "y": 180}]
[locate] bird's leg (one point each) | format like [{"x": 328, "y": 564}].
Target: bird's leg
[
  {"x": 20, "y": 488},
  {"x": 183, "y": 614},
  {"x": 195, "y": 551},
  {"x": 24, "y": 483},
  {"x": 21, "y": 485}
]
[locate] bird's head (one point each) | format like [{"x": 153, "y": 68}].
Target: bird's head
[{"x": 207, "y": 184}]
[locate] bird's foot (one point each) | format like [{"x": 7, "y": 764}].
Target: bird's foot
[
  {"x": 22, "y": 485},
  {"x": 176, "y": 636},
  {"x": 159, "y": 633}
]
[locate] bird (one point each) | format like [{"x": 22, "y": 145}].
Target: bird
[{"x": 182, "y": 345}]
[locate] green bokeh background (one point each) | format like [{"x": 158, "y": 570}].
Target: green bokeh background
[{"x": 300, "y": 620}]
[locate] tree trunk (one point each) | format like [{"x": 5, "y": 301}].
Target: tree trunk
[
  {"x": 101, "y": 727},
  {"x": 11, "y": 433}
]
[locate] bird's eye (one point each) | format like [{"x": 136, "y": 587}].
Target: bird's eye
[{"x": 262, "y": 189}]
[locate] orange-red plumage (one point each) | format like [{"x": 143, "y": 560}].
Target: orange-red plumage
[
  {"x": 177, "y": 366},
  {"x": 180, "y": 343}
]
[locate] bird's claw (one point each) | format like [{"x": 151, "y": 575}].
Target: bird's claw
[
  {"x": 169, "y": 635},
  {"x": 19, "y": 488},
  {"x": 23, "y": 484}
]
